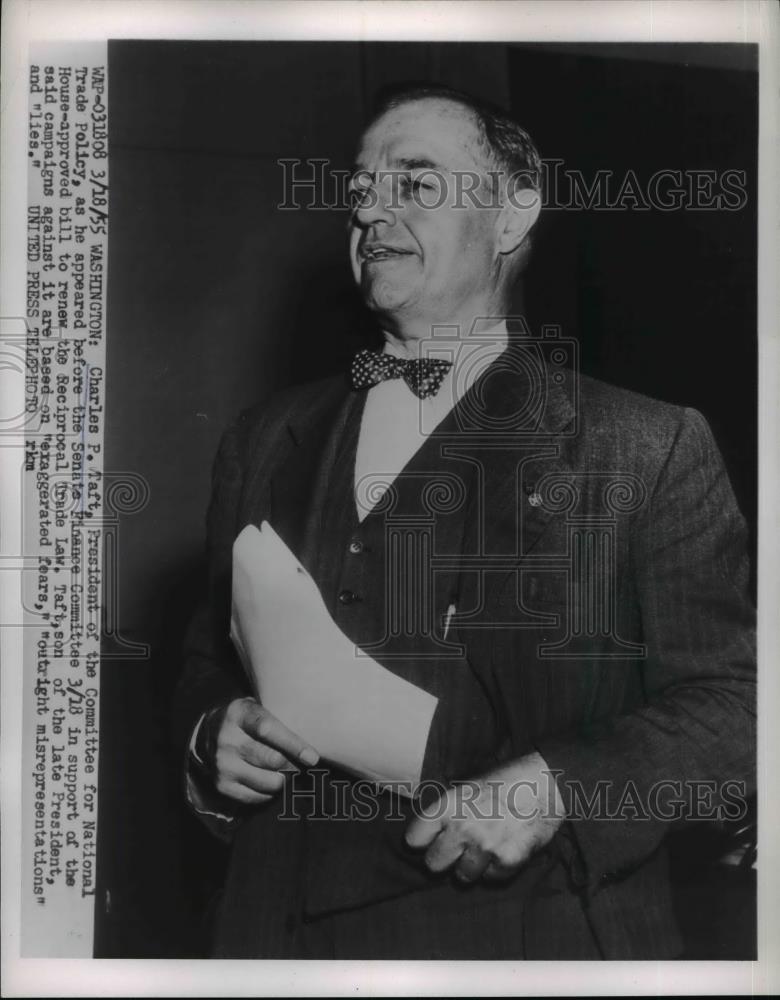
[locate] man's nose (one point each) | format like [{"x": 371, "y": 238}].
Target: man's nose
[{"x": 376, "y": 203}]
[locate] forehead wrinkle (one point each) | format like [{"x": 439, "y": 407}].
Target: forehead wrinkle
[{"x": 474, "y": 146}]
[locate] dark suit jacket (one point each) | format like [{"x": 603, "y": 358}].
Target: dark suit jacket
[{"x": 602, "y": 603}]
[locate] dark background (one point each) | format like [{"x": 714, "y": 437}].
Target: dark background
[{"x": 217, "y": 298}]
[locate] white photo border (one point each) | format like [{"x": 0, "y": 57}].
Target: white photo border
[{"x": 562, "y": 21}]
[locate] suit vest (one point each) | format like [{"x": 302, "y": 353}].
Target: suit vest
[{"x": 388, "y": 582}]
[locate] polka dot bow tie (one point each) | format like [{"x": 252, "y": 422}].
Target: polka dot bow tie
[{"x": 424, "y": 376}]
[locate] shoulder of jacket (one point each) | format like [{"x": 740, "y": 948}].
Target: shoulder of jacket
[
  {"x": 607, "y": 400},
  {"x": 605, "y": 406},
  {"x": 632, "y": 426}
]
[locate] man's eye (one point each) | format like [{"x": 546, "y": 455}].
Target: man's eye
[{"x": 409, "y": 183}]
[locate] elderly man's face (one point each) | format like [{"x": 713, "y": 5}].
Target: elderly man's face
[{"x": 418, "y": 264}]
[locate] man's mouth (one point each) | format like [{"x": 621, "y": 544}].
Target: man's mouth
[{"x": 380, "y": 251}]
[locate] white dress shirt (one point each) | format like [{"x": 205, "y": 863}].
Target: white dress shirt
[{"x": 395, "y": 422}]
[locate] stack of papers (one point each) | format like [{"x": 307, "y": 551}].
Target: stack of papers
[{"x": 306, "y": 672}]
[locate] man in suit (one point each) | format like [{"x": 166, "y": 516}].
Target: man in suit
[{"x": 561, "y": 563}]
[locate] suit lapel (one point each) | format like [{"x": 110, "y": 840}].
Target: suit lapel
[
  {"x": 515, "y": 422},
  {"x": 300, "y": 487},
  {"x": 288, "y": 463}
]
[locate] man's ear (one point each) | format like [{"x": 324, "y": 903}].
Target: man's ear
[{"x": 517, "y": 218}]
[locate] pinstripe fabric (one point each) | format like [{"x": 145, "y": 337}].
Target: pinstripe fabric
[
  {"x": 684, "y": 711},
  {"x": 351, "y": 863}
]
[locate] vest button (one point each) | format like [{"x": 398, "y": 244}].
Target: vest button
[
  {"x": 348, "y": 597},
  {"x": 355, "y": 546}
]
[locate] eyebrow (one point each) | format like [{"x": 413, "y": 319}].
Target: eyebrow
[
  {"x": 418, "y": 163},
  {"x": 404, "y": 163}
]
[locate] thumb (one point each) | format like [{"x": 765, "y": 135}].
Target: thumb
[{"x": 426, "y": 826}]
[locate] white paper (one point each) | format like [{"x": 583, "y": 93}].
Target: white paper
[{"x": 308, "y": 674}]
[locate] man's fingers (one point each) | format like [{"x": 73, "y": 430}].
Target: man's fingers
[
  {"x": 242, "y": 794},
  {"x": 259, "y": 755},
  {"x": 262, "y": 726},
  {"x": 422, "y": 831},
  {"x": 472, "y": 864},
  {"x": 256, "y": 779},
  {"x": 445, "y": 850}
]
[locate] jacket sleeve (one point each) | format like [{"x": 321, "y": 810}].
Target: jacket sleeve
[
  {"x": 211, "y": 674},
  {"x": 692, "y": 740}
]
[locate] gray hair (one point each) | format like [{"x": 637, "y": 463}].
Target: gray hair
[{"x": 508, "y": 147}]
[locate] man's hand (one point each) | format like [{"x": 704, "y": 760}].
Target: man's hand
[
  {"x": 489, "y": 827},
  {"x": 247, "y": 750}
]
